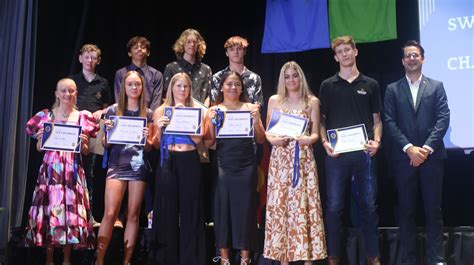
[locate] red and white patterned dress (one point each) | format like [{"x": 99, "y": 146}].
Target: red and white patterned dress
[{"x": 294, "y": 227}]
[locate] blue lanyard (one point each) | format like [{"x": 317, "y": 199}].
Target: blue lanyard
[
  {"x": 296, "y": 166},
  {"x": 106, "y": 156}
]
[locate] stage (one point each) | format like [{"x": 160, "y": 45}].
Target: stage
[{"x": 458, "y": 246}]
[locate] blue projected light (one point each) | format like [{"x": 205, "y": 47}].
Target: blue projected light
[{"x": 447, "y": 34}]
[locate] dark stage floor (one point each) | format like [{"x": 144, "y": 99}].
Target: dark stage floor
[{"x": 459, "y": 249}]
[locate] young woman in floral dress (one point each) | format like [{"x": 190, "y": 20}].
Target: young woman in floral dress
[
  {"x": 294, "y": 228},
  {"x": 60, "y": 214}
]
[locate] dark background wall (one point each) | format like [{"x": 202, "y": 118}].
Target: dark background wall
[{"x": 64, "y": 26}]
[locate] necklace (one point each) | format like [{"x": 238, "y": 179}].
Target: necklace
[{"x": 62, "y": 114}]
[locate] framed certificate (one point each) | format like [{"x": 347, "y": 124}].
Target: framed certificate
[
  {"x": 185, "y": 121},
  {"x": 284, "y": 124},
  {"x": 61, "y": 137},
  {"x": 236, "y": 124},
  {"x": 348, "y": 139},
  {"x": 127, "y": 130}
]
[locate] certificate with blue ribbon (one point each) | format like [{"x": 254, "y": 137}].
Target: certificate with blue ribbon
[
  {"x": 61, "y": 137},
  {"x": 235, "y": 124},
  {"x": 184, "y": 121},
  {"x": 127, "y": 130},
  {"x": 284, "y": 124},
  {"x": 348, "y": 139}
]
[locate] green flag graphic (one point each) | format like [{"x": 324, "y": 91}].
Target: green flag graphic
[{"x": 364, "y": 20}]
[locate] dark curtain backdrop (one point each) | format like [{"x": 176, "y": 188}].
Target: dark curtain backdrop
[
  {"x": 17, "y": 64},
  {"x": 63, "y": 26}
]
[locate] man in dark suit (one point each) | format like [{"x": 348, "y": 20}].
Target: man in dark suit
[{"x": 416, "y": 117}]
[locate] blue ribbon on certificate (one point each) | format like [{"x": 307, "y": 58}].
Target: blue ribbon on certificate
[
  {"x": 106, "y": 156},
  {"x": 164, "y": 149},
  {"x": 218, "y": 119},
  {"x": 76, "y": 165},
  {"x": 296, "y": 166}
]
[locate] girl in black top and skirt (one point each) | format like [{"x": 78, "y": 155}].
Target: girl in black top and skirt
[{"x": 235, "y": 200}]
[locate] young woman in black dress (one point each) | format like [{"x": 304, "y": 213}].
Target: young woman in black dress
[{"x": 235, "y": 200}]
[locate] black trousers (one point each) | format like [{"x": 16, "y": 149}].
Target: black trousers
[
  {"x": 179, "y": 215},
  {"x": 429, "y": 177}
]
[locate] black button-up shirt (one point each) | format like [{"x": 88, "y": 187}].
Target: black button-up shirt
[{"x": 200, "y": 74}]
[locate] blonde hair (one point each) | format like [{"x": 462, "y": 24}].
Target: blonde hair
[
  {"x": 236, "y": 41},
  {"x": 169, "y": 101},
  {"x": 62, "y": 82},
  {"x": 347, "y": 39},
  {"x": 90, "y": 48},
  {"x": 304, "y": 88},
  {"x": 178, "y": 46},
  {"x": 123, "y": 99}
]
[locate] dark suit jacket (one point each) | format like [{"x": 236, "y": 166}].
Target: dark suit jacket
[{"x": 424, "y": 124}]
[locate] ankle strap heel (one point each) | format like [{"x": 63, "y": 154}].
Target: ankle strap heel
[
  {"x": 224, "y": 261},
  {"x": 245, "y": 261}
]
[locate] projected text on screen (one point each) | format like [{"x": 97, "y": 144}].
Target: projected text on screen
[{"x": 447, "y": 34}]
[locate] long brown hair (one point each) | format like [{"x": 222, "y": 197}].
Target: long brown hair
[
  {"x": 243, "y": 96},
  {"x": 178, "y": 46},
  {"x": 123, "y": 99}
]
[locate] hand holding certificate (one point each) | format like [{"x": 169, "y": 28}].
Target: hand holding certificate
[
  {"x": 127, "y": 130},
  {"x": 95, "y": 144},
  {"x": 186, "y": 121},
  {"x": 235, "y": 124},
  {"x": 61, "y": 137},
  {"x": 283, "y": 124},
  {"x": 348, "y": 139}
]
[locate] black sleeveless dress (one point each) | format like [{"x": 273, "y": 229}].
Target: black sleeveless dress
[{"x": 235, "y": 201}]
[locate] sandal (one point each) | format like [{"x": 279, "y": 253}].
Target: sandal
[
  {"x": 245, "y": 261},
  {"x": 224, "y": 261}
]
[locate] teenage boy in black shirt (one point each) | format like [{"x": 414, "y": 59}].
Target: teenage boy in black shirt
[
  {"x": 93, "y": 94},
  {"x": 350, "y": 98}
]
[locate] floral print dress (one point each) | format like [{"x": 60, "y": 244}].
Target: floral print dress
[
  {"x": 294, "y": 228},
  {"x": 60, "y": 213}
]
